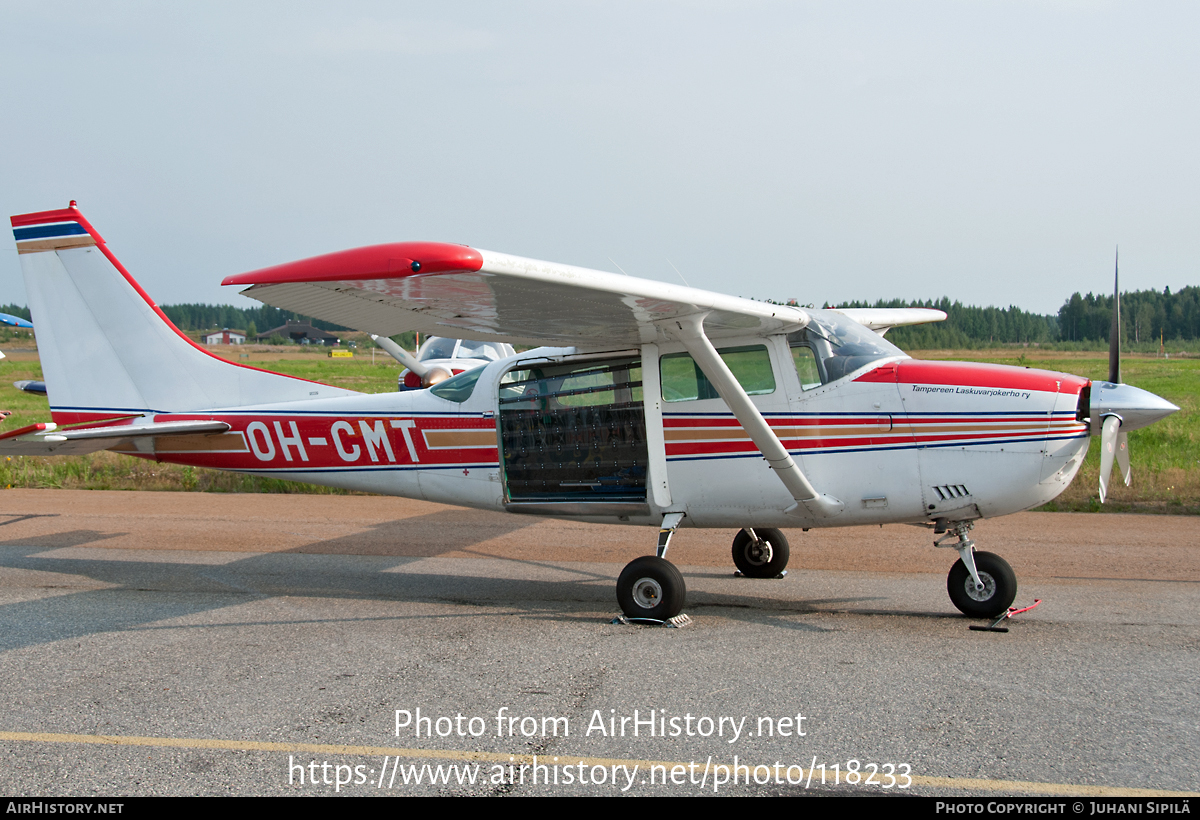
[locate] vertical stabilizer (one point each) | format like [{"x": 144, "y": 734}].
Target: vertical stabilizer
[{"x": 107, "y": 350}]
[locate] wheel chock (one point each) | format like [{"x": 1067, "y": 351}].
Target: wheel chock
[
  {"x": 1012, "y": 610},
  {"x": 737, "y": 573},
  {"x": 678, "y": 622}
]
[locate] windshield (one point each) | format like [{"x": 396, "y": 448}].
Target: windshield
[
  {"x": 833, "y": 346},
  {"x": 437, "y": 347},
  {"x": 492, "y": 351}
]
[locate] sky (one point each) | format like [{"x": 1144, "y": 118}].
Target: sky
[{"x": 992, "y": 152}]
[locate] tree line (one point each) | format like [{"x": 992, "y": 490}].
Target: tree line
[
  {"x": 251, "y": 320},
  {"x": 215, "y": 317},
  {"x": 1146, "y": 315},
  {"x": 968, "y": 326}
]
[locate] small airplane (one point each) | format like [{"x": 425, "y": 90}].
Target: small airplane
[
  {"x": 440, "y": 357},
  {"x": 656, "y": 405},
  {"x": 14, "y": 321}
]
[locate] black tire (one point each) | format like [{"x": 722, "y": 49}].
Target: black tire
[
  {"x": 756, "y": 562},
  {"x": 1000, "y": 586},
  {"x": 651, "y": 587}
]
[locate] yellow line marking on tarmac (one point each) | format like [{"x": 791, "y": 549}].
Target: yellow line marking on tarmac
[{"x": 962, "y": 783}]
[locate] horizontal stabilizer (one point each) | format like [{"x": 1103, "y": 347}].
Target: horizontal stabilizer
[{"x": 47, "y": 439}]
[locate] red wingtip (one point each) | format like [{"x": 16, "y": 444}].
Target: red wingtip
[{"x": 393, "y": 260}]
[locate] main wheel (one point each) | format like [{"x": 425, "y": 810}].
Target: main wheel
[
  {"x": 764, "y": 558},
  {"x": 651, "y": 587},
  {"x": 999, "y": 586}
]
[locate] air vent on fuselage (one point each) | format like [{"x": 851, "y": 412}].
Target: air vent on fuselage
[{"x": 948, "y": 491}]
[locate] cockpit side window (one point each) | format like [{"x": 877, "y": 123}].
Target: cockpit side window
[
  {"x": 806, "y": 366},
  {"x": 833, "y": 346}
]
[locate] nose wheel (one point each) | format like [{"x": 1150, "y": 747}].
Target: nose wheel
[
  {"x": 981, "y": 584},
  {"x": 995, "y": 593}
]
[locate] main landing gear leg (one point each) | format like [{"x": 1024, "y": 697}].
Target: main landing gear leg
[
  {"x": 981, "y": 585},
  {"x": 650, "y": 587}
]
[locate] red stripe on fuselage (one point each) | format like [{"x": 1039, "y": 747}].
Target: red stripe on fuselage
[
  {"x": 907, "y": 431},
  {"x": 972, "y": 374},
  {"x": 286, "y": 442},
  {"x": 774, "y": 421}
]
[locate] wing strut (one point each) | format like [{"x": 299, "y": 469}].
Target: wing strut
[{"x": 808, "y": 500}]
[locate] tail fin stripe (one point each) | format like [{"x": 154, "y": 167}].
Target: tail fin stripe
[
  {"x": 52, "y": 236},
  {"x": 46, "y": 231}
]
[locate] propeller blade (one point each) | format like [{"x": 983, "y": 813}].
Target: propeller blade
[
  {"x": 1109, "y": 434},
  {"x": 1123, "y": 456},
  {"x": 400, "y": 354},
  {"x": 1114, "y": 334}
]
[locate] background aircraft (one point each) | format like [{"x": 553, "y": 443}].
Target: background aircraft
[
  {"x": 658, "y": 405},
  {"x": 440, "y": 357},
  {"x": 28, "y": 385},
  {"x": 14, "y": 321}
]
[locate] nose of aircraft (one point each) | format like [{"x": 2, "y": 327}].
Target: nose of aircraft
[{"x": 1136, "y": 407}]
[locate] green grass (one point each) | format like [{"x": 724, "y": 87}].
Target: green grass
[
  {"x": 110, "y": 471},
  {"x": 352, "y": 374}
]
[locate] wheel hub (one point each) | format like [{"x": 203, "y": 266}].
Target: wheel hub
[
  {"x": 759, "y": 553},
  {"x": 985, "y": 594},
  {"x": 647, "y": 593}
]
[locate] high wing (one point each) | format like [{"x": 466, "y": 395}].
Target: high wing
[
  {"x": 459, "y": 291},
  {"x": 455, "y": 290},
  {"x": 881, "y": 320},
  {"x": 47, "y": 439}
]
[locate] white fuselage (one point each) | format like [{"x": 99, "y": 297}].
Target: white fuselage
[{"x": 895, "y": 441}]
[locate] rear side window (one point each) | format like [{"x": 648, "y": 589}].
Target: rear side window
[{"x": 682, "y": 379}]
